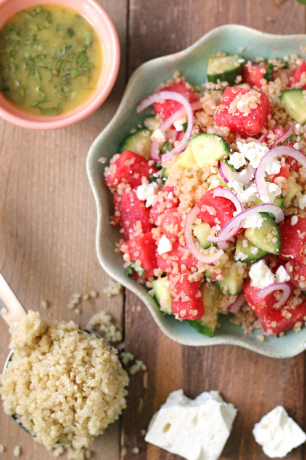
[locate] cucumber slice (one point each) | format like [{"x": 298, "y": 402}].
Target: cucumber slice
[
  {"x": 293, "y": 190},
  {"x": 232, "y": 281},
  {"x": 152, "y": 123},
  {"x": 295, "y": 104},
  {"x": 165, "y": 173},
  {"x": 231, "y": 166},
  {"x": 210, "y": 293},
  {"x": 185, "y": 159},
  {"x": 267, "y": 237},
  {"x": 224, "y": 68},
  {"x": 247, "y": 254},
  {"x": 201, "y": 328},
  {"x": 201, "y": 232},
  {"x": 138, "y": 142},
  {"x": 208, "y": 147},
  {"x": 162, "y": 295}
]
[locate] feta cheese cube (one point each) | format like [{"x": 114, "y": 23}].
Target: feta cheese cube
[
  {"x": 296, "y": 146},
  {"x": 164, "y": 245},
  {"x": 159, "y": 136},
  {"x": 261, "y": 275},
  {"x": 281, "y": 275},
  {"x": 237, "y": 159},
  {"x": 253, "y": 221},
  {"x": 302, "y": 201},
  {"x": 178, "y": 124},
  {"x": 235, "y": 185},
  {"x": 194, "y": 429},
  {"x": 278, "y": 434},
  {"x": 147, "y": 192},
  {"x": 248, "y": 195},
  {"x": 273, "y": 167},
  {"x": 271, "y": 192},
  {"x": 294, "y": 220},
  {"x": 253, "y": 151},
  {"x": 215, "y": 183}
]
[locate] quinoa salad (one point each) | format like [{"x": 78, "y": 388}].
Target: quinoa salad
[{"x": 210, "y": 196}]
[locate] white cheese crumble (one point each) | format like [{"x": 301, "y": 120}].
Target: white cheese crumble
[
  {"x": 194, "y": 429},
  {"x": 253, "y": 221},
  {"x": 147, "y": 192},
  {"x": 235, "y": 185},
  {"x": 273, "y": 167},
  {"x": 253, "y": 151},
  {"x": 159, "y": 136},
  {"x": 281, "y": 275},
  {"x": 278, "y": 434},
  {"x": 248, "y": 195},
  {"x": 164, "y": 245},
  {"x": 237, "y": 159},
  {"x": 271, "y": 192},
  {"x": 261, "y": 275},
  {"x": 215, "y": 183},
  {"x": 294, "y": 220},
  {"x": 178, "y": 124},
  {"x": 296, "y": 146},
  {"x": 302, "y": 201}
]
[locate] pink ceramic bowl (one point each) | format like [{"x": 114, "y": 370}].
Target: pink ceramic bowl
[{"x": 106, "y": 31}]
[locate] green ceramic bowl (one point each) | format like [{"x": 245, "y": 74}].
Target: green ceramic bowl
[{"x": 192, "y": 63}]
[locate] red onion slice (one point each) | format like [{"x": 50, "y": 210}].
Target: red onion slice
[
  {"x": 276, "y": 287},
  {"x": 263, "y": 138},
  {"x": 231, "y": 228},
  {"x": 173, "y": 96},
  {"x": 235, "y": 307},
  {"x": 227, "y": 174},
  {"x": 290, "y": 273},
  {"x": 204, "y": 258},
  {"x": 284, "y": 137},
  {"x": 281, "y": 151}
]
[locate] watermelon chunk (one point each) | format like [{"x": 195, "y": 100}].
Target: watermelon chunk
[
  {"x": 215, "y": 210},
  {"x": 171, "y": 223},
  {"x": 276, "y": 322},
  {"x": 167, "y": 199},
  {"x": 186, "y": 297},
  {"x": 244, "y": 111},
  {"x": 133, "y": 214},
  {"x": 253, "y": 74},
  {"x": 293, "y": 239},
  {"x": 143, "y": 248},
  {"x": 178, "y": 257},
  {"x": 128, "y": 167},
  {"x": 297, "y": 74},
  {"x": 167, "y": 108}
]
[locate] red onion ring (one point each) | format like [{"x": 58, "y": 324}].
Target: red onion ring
[
  {"x": 276, "y": 287},
  {"x": 281, "y": 151},
  {"x": 235, "y": 307},
  {"x": 173, "y": 96},
  {"x": 227, "y": 174},
  {"x": 204, "y": 258},
  {"x": 284, "y": 137},
  {"x": 263, "y": 138},
  {"x": 290, "y": 273},
  {"x": 231, "y": 228}
]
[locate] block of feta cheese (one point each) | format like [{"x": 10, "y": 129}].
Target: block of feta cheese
[
  {"x": 194, "y": 429},
  {"x": 278, "y": 434}
]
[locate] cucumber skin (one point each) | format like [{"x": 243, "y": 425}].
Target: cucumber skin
[
  {"x": 228, "y": 75},
  {"x": 249, "y": 233},
  {"x": 251, "y": 257},
  {"x": 201, "y": 328},
  {"x": 126, "y": 142}
]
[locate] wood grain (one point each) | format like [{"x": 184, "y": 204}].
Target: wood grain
[
  {"x": 254, "y": 384},
  {"x": 47, "y": 231}
]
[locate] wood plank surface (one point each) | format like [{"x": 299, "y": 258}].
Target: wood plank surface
[
  {"x": 254, "y": 384},
  {"x": 47, "y": 232}
]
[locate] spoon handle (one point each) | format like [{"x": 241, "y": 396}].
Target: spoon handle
[{"x": 10, "y": 308}]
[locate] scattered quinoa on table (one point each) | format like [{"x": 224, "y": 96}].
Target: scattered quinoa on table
[{"x": 210, "y": 195}]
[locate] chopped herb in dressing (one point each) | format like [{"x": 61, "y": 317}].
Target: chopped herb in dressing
[{"x": 50, "y": 59}]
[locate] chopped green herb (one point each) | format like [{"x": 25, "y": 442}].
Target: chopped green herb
[
  {"x": 132, "y": 268},
  {"x": 37, "y": 76},
  {"x": 81, "y": 59},
  {"x": 185, "y": 126},
  {"x": 70, "y": 32},
  {"x": 75, "y": 73},
  {"x": 47, "y": 16},
  {"x": 269, "y": 72},
  {"x": 166, "y": 147},
  {"x": 289, "y": 139}
]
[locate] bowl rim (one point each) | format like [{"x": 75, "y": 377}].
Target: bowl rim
[
  {"x": 98, "y": 97},
  {"x": 126, "y": 282}
]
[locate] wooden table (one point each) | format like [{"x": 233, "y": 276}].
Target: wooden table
[{"x": 47, "y": 246}]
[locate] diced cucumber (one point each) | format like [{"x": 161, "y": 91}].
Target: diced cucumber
[
  {"x": 267, "y": 237},
  {"x": 221, "y": 183},
  {"x": 185, "y": 159},
  {"x": 201, "y": 232},
  {"x": 231, "y": 166},
  {"x": 210, "y": 294},
  {"x": 165, "y": 173},
  {"x": 224, "y": 68},
  {"x": 162, "y": 295},
  {"x": 208, "y": 147},
  {"x": 232, "y": 281},
  {"x": 295, "y": 104},
  {"x": 138, "y": 142},
  {"x": 152, "y": 123},
  {"x": 247, "y": 254},
  {"x": 201, "y": 328},
  {"x": 293, "y": 190},
  {"x": 279, "y": 201}
]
